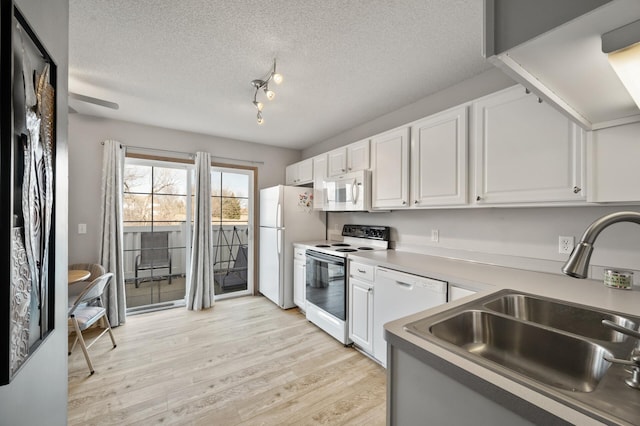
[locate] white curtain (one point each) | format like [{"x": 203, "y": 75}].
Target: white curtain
[
  {"x": 200, "y": 284},
  {"x": 111, "y": 239}
]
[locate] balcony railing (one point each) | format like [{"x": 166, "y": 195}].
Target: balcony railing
[{"x": 227, "y": 240}]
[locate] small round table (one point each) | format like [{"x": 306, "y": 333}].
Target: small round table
[{"x": 76, "y": 275}]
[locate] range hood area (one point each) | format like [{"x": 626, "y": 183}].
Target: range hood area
[{"x": 566, "y": 67}]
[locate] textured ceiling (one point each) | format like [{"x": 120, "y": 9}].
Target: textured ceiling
[{"x": 188, "y": 64}]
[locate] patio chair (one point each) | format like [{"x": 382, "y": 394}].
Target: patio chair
[
  {"x": 154, "y": 254},
  {"x": 86, "y": 310}
]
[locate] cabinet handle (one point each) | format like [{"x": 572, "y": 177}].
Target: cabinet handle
[
  {"x": 576, "y": 189},
  {"x": 539, "y": 100},
  {"x": 350, "y": 168},
  {"x": 478, "y": 198},
  {"x": 404, "y": 202},
  {"x": 362, "y": 271},
  {"x": 527, "y": 91},
  {"x": 416, "y": 202},
  {"x": 370, "y": 289},
  {"x": 343, "y": 170}
]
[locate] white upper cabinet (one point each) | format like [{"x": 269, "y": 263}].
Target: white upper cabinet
[
  {"x": 337, "y": 162},
  {"x": 300, "y": 173},
  {"x": 614, "y": 156},
  {"x": 349, "y": 158},
  {"x": 526, "y": 151},
  {"x": 439, "y": 159},
  {"x": 358, "y": 156},
  {"x": 390, "y": 169},
  {"x": 319, "y": 174}
]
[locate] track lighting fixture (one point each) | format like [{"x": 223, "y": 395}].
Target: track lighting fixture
[{"x": 264, "y": 86}]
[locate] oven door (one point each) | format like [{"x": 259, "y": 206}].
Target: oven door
[{"x": 326, "y": 283}]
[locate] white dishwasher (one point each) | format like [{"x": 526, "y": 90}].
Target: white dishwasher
[{"x": 398, "y": 294}]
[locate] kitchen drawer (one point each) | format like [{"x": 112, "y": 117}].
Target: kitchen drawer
[
  {"x": 299, "y": 252},
  {"x": 362, "y": 271}
]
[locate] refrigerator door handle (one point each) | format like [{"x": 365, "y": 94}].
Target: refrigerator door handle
[
  {"x": 278, "y": 216},
  {"x": 279, "y": 241}
]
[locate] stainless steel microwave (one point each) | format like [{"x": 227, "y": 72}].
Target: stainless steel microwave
[{"x": 348, "y": 192}]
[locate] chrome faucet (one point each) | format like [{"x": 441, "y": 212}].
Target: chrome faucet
[
  {"x": 633, "y": 362},
  {"x": 578, "y": 263}
]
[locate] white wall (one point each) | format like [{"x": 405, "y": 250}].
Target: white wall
[
  {"x": 520, "y": 237},
  {"x": 488, "y": 82},
  {"x": 85, "y": 164},
  {"x": 38, "y": 393}
]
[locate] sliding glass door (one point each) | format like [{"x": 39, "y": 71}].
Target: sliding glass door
[
  {"x": 158, "y": 204},
  {"x": 156, "y": 210},
  {"x": 232, "y": 207}
]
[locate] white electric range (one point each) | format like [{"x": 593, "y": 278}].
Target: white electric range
[{"x": 327, "y": 275}]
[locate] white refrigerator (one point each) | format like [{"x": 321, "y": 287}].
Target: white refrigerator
[{"x": 285, "y": 218}]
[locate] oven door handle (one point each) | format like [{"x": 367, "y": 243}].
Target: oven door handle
[{"x": 327, "y": 258}]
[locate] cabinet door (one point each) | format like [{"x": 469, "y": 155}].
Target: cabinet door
[
  {"x": 456, "y": 293},
  {"x": 299, "y": 282},
  {"x": 337, "y": 162},
  {"x": 390, "y": 169},
  {"x": 305, "y": 171},
  {"x": 439, "y": 159},
  {"x": 291, "y": 174},
  {"x": 361, "y": 314},
  {"x": 319, "y": 175},
  {"x": 358, "y": 156},
  {"x": 614, "y": 156},
  {"x": 526, "y": 151}
]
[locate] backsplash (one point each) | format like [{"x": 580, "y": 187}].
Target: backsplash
[{"x": 524, "y": 238}]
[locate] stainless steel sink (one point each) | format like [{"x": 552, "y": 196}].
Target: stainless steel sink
[
  {"x": 535, "y": 352},
  {"x": 572, "y": 318},
  {"x": 552, "y": 346}
]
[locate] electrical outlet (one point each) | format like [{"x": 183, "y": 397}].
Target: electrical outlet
[
  {"x": 565, "y": 245},
  {"x": 435, "y": 235},
  {"x": 82, "y": 228}
]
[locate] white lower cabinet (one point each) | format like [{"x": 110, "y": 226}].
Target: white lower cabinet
[
  {"x": 299, "y": 277},
  {"x": 361, "y": 305},
  {"x": 456, "y": 293}
]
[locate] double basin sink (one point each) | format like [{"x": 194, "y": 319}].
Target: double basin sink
[{"x": 553, "y": 346}]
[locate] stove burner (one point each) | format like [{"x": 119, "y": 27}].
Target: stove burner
[
  {"x": 340, "y": 245},
  {"x": 346, "y": 250},
  {"x": 323, "y": 245},
  {"x": 365, "y": 248}
]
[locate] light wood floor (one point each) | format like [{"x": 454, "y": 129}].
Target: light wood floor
[{"x": 245, "y": 362}]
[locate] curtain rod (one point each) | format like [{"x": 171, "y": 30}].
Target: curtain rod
[{"x": 188, "y": 154}]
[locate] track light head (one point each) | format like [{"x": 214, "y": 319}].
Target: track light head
[{"x": 259, "y": 84}]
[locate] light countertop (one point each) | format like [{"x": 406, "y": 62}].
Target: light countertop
[{"x": 487, "y": 279}]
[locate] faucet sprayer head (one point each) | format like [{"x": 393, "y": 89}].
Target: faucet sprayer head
[{"x": 578, "y": 264}]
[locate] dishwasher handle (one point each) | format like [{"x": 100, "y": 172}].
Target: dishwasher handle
[{"x": 409, "y": 281}]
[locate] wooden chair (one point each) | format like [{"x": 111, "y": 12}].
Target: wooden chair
[{"x": 86, "y": 311}]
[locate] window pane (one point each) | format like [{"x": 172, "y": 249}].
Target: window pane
[
  {"x": 216, "y": 183},
  {"x": 137, "y": 178},
  {"x": 231, "y": 209},
  {"x": 216, "y": 208},
  {"x": 136, "y": 208},
  {"x": 235, "y": 184},
  {"x": 169, "y": 209},
  {"x": 169, "y": 181}
]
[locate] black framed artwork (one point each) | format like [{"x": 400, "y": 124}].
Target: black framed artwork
[{"x": 27, "y": 176}]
